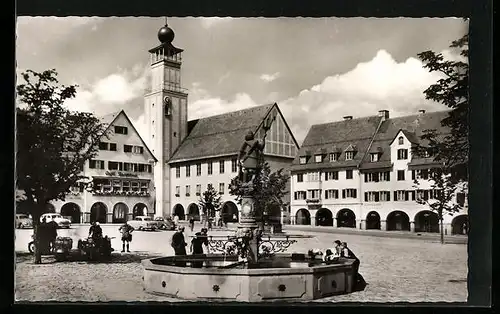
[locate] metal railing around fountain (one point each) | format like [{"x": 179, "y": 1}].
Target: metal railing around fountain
[{"x": 268, "y": 244}]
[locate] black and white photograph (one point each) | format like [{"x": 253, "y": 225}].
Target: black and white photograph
[{"x": 232, "y": 159}]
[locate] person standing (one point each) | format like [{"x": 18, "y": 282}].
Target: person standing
[
  {"x": 52, "y": 232},
  {"x": 191, "y": 223},
  {"x": 126, "y": 231},
  {"x": 178, "y": 242}
]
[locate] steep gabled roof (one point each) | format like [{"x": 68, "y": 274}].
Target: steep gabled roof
[
  {"x": 337, "y": 137},
  {"x": 110, "y": 118},
  {"x": 413, "y": 128},
  {"x": 221, "y": 134}
]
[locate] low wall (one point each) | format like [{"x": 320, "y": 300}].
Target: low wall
[{"x": 298, "y": 282}]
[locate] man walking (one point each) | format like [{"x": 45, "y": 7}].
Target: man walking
[{"x": 126, "y": 231}]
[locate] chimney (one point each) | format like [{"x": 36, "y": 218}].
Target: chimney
[
  {"x": 384, "y": 114},
  {"x": 421, "y": 111},
  {"x": 348, "y": 118}
]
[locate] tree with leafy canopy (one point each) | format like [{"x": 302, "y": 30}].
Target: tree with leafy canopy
[
  {"x": 268, "y": 191},
  {"x": 210, "y": 202},
  {"x": 443, "y": 192},
  {"x": 53, "y": 143},
  {"x": 451, "y": 90}
]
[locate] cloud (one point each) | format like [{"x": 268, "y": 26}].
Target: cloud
[
  {"x": 381, "y": 83},
  {"x": 209, "y": 106},
  {"x": 111, "y": 93},
  {"x": 269, "y": 77}
]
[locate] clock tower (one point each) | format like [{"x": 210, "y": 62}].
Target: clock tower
[{"x": 165, "y": 107}]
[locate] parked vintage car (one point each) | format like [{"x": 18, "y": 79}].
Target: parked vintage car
[
  {"x": 143, "y": 223},
  {"x": 165, "y": 224},
  {"x": 23, "y": 221},
  {"x": 60, "y": 220},
  {"x": 61, "y": 248}
]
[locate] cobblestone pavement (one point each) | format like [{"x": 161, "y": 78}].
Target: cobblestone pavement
[{"x": 395, "y": 269}]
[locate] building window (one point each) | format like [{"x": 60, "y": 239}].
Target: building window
[
  {"x": 209, "y": 186},
  {"x": 198, "y": 169},
  {"x": 177, "y": 191},
  {"x": 318, "y": 158},
  {"x": 372, "y": 197},
  {"x": 313, "y": 176},
  {"x": 385, "y": 196},
  {"x": 121, "y": 130},
  {"x": 299, "y": 195},
  {"x": 349, "y": 193},
  {"x": 349, "y": 155},
  {"x": 331, "y": 194},
  {"x": 126, "y": 186},
  {"x": 302, "y": 160},
  {"x": 423, "y": 195},
  {"x": 188, "y": 171},
  {"x": 331, "y": 175},
  {"x": 374, "y": 157},
  {"x": 103, "y": 146},
  {"x": 221, "y": 166},
  {"x": 300, "y": 177},
  {"x": 127, "y": 148},
  {"x": 385, "y": 176},
  {"x": 114, "y": 165},
  {"x": 313, "y": 194},
  {"x": 401, "y": 175},
  {"x": 401, "y": 141},
  {"x": 348, "y": 174},
  {"x": 332, "y": 157},
  {"x": 178, "y": 172},
  {"x": 96, "y": 164},
  {"x": 198, "y": 189},
  {"x": 402, "y": 154},
  {"x": 137, "y": 149},
  {"x": 402, "y": 195},
  {"x": 210, "y": 168},
  {"x": 234, "y": 165},
  {"x": 188, "y": 190},
  {"x": 420, "y": 174},
  {"x": 461, "y": 199},
  {"x": 221, "y": 188},
  {"x": 112, "y": 147}
]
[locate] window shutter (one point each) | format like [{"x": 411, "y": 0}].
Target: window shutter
[
  {"x": 355, "y": 193},
  {"x": 343, "y": 193},
  {"x": 407, "y": 195},
  {"x": 413, "y": 174},
  {"x": 326, "y": 176},
  {"x": 366, "y": 196}
]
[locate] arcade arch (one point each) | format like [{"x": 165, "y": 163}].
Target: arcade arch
[
  {"x": 98, "y": 212},
  {"x": 120, "y": 213},
  {"x": 324, "y": 217},
  {"x": 71, "y": 210},
  {"x": 346, "y": 218},
  {"x": 229, "y": 212},
  {"x": 373, "y": 220},
  {"x": 426, "y": 221},
  {"x": 303, "y": 217},
  {"x": 179, "y": 212},
  {"x": 398, "y": 221}
]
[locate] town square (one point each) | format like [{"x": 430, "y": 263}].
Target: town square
[{"x": 196, "y": 170}]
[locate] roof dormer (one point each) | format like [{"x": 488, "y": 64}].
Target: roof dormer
[
  {"x": 375, "y": 153},
  {"x": 350, "y": 152}
]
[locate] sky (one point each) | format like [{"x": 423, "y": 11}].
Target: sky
[{"x": 316, "y": 69}]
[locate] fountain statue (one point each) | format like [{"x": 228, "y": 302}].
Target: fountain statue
[{"x": 249, "y": 266}]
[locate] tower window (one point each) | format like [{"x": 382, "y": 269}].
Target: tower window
[
  {"x": 175, "y": 134},
  {"x": 401, "y": 140},
  {"x": 402, "y": 154}
]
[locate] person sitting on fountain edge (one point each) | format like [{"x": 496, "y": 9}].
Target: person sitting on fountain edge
[
  {"x": 347, "y": 253},
  {"x": 95, "y": 232}
]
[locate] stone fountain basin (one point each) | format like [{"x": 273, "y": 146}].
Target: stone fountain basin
[{"x": 278, "y": 278}]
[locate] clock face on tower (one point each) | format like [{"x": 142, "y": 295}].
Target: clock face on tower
[{"x": 167, "y": 102}]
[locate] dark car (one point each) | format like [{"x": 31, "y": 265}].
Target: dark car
[{"x": 165, "y": 224}]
